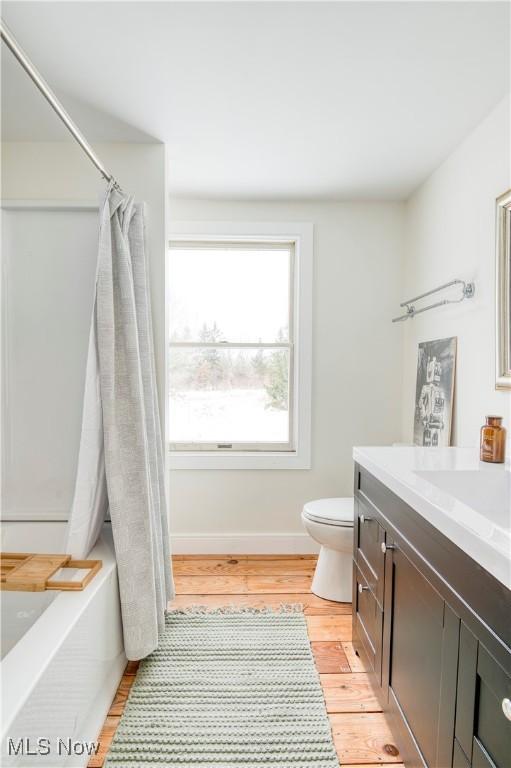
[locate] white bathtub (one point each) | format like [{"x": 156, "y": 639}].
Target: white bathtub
[{"x": 64, "y": 657}]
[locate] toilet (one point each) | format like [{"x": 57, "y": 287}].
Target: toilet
[{"x": 330, "y": 523}]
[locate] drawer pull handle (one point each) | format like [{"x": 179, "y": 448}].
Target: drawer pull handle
[
  {"x": 384, "y": 547},
  {"x": 364, "y": 519},
  {"x": 506, "y": 708},
  {"x": 362, "y": 588}
]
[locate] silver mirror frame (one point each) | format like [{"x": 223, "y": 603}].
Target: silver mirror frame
[{"x": 503, "y": 292}]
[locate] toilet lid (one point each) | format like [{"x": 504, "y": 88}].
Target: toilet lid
[{"x": 330, "y": 511}]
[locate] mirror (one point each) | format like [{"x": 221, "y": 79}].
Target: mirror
[{"x": 503, "y": 303}]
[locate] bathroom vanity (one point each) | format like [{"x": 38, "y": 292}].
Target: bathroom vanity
[{"x": 432, "y": 601}]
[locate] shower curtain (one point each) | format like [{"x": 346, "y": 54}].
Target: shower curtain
[{"x": 120, "y": 464}]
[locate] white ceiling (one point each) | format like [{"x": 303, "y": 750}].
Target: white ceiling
[{"x": 339, "y": 100}]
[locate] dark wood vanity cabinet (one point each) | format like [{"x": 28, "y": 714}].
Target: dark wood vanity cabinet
[{"x": 439, "y": 670}]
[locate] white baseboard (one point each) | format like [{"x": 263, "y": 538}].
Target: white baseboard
[{"x": 244, "y": 544}]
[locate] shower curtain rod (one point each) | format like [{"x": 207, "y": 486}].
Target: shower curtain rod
[{"x": 42, "y": 85}]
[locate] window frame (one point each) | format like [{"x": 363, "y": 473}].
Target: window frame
[
  {"x": 296, "y": 453},
  {"x": 249, "y": 446}
]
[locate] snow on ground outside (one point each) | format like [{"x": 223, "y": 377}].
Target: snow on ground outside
[{"x": 236, "y": 415}]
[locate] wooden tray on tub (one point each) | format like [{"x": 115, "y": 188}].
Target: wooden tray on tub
[{"x": 27, "y": 572}]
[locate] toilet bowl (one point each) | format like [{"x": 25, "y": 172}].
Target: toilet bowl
[{"x": 330, "y": 523}]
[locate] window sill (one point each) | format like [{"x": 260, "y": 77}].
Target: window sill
[{"x": 237, "y": 460}]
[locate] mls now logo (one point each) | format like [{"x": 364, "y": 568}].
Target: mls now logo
[{"x": 42, "y": 746}]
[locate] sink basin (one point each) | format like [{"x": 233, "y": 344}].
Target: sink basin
[
  {"x": 466, "y": 500},
  {"x": 488, "y": 491}
]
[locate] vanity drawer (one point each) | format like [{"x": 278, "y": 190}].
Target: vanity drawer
[
  {"x": 492, "y": 729},
  {"x": 482, "y": 727},
  {"x": 368, "y": 621},
  {"x": 369, "y": 537}
]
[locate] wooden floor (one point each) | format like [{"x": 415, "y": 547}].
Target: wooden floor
[{"x": 359, "y": 730}]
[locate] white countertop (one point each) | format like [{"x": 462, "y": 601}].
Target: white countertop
[{"x": 472, "y": 510}]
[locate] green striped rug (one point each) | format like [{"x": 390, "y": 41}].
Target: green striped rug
[{"x": 226, "y": 688}]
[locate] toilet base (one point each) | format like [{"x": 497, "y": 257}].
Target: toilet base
[{"x": 333, "y": 576}]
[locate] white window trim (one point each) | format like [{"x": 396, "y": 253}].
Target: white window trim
[{"x": 301, "y": 234}]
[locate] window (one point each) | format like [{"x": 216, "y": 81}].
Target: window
[{"x": 234, "y": 381}]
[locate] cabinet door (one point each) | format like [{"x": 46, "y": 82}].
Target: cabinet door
[
  {"x": 483, "y": 728},
  {"x": 422, "y": 670}
]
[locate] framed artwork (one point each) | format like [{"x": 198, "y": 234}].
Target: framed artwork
[
  {"x": 436, "y": 366},
  {"x": 503, "y": 293}
]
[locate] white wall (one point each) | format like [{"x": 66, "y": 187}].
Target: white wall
[
  {"x": 59, "y": 171},
  {"x": 450, "y": 233},
  {"x": 356, "y": 368}
]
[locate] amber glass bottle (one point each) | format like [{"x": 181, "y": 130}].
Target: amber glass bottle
[{"x": 493, "y": 440}]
